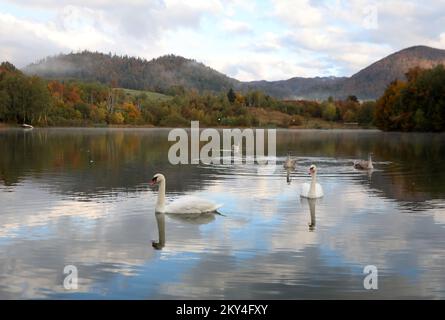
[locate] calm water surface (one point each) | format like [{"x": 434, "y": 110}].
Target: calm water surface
[{"x": 81, "y": 197}]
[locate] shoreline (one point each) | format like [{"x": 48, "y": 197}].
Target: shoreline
[{"x": 333, "y": 126}]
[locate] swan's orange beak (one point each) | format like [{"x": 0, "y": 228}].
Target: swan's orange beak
[{"x": 153, "y": 181}]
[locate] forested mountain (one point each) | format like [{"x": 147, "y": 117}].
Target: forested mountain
[
  {"x": 369, "y": 83},
  {"x": 171, "y": 72},
  {"x": 298, "y": 88},
  {"x": 159, "y": 74}
]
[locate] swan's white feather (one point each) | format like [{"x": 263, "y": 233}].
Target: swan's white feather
[
  {"x": 191, "y": 205},
  {"x": 305, "y": 190}
]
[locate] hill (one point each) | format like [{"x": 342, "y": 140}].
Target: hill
[
  {"x": 149, "y": 95},
  {"x": 133, "y": 73},
  {"x": 164, "y": 73},
  {"x": 297, "y": 88},
  {"x": 371, "y": 82}
]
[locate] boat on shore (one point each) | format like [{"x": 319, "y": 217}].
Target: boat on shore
[{"x": 27, "y": 126}]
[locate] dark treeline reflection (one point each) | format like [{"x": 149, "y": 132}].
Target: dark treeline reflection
[
  {"x": 88, "y": 161},
  {"x": 91, "y": 161}
]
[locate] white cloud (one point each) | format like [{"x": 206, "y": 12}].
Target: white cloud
[
  {"x": 298, "y": 13},
  {"x": 279, "y": 38},
  {"x": 136, "y": 28},
  {"x": 237, "y": 27}
]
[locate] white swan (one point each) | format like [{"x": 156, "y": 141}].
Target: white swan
[
  {"x": 185, "y": 205},
  {"x": 314, "y": 189},
  {"x": 363, "y": 164}
]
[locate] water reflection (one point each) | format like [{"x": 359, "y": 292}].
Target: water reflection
[
  {"x": 288, "y": 177},
  {"x": 85, "y": 162},
  {"x": 160, "y": 222},
  {"x": 71, "y": 196},
  {"x": 199, "y": 218},
  {"x": 311, "y": 203},
  {"x": 192, "y": 219}
]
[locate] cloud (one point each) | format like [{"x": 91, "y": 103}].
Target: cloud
[
  {"x": 237, "y": 27},
  {"x": 136, "y": 28},
  {"x": 263, "y": 66},
  {"x": 355, "y": 33},
  {"x": 249, "y": 40}
]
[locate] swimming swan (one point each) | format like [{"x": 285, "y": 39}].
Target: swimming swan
[
  {"x": 363, "y": 164},
  {"x": 289, "y": 163},
  {"x": 314, "y": 189},
  {"x": 185, "y": 205}
]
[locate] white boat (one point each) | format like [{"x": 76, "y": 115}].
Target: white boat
[{"x": 27, "y": 126}]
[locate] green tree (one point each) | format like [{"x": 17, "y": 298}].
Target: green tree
[
  {"x": 231, "y": 96},
  {"x": 352, "y": 98},
  {"x": 117, "y": 118},
  {"x": 329, "y": 111},
  {"x": 420, "y": 121},
  {"x": 97, "y": 115},
  {"x": 4, "y": 104},
  {"x": 365, "y": 114}
]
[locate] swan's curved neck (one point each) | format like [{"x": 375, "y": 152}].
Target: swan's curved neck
[
  {"x": 370, "y": 166},
  {"x": 160, "y": 203},
  {"x": 313, "y": 185}
]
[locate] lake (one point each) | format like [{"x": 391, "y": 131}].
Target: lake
[{"x": 81, "y": 197}]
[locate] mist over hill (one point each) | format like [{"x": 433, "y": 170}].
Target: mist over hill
[
  {"x": 168, "y": 71},
  {"x": 133, "y": 73}
]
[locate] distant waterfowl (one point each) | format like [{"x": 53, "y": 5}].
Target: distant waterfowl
[
  {"x": 184, "y": 205},
  {"x": 312, "y": 190},
  {"x": 27, "y": 126},
  {"x": 363, "y": 164},
  {"x": 290, "y": 163}
]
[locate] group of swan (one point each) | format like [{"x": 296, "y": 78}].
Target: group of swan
[
  {"x": 313, "y": 190},
  {"x": 193, "y": 205}
]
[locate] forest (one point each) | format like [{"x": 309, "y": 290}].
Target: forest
[{"x": 417, "y": 104}]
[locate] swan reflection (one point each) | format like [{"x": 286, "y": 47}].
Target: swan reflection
[
  {"x": 288, "y": 177},
  {"x": 195, "y": 219},
  {"x": 160, "y": 221},
  {"x": 312, "y": 204},
  {"x": 369, "y": 173}
]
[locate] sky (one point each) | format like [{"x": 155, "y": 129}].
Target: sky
[{"x": 247, "y": 40}]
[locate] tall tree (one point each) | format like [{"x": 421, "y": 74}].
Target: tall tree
[{"x": 231, "y": 96}]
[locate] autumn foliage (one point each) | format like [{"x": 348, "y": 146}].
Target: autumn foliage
[{"x": 417, "y": 104}]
